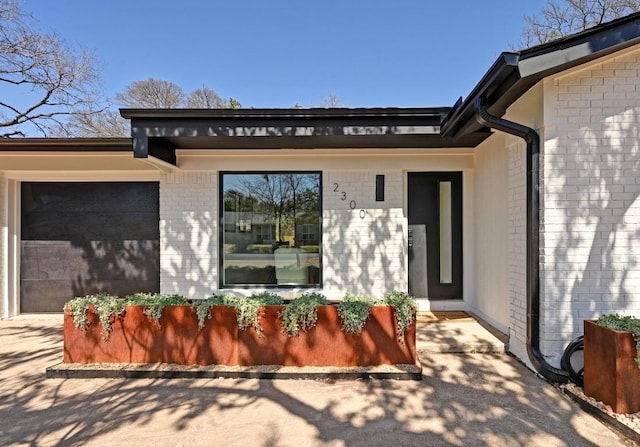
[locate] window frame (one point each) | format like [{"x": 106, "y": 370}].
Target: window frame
[{"x": 221, "y": 230}]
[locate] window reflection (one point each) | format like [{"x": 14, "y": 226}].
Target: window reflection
[
  {"x": 271, "y": 228},
  {"x": 446, "y": 233}
]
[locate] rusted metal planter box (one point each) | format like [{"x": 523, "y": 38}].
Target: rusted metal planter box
[
  {"x": 135, "y": 338},
  {"x": 611, "y": 374}
]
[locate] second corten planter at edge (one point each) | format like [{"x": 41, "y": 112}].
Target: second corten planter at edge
[
  {"x": 135, "y": 338},
  {"x": 611, "y": 374}
]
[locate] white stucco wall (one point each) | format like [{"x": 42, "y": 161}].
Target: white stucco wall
[
  {"x": 490, "y": 298},
  {"x": 591, "y": 211}
]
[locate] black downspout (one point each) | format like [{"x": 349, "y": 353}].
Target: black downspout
[{"x": 532, "y": 139}]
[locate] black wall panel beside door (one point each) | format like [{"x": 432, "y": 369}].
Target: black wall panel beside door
[{"x": 81, "y": 238}]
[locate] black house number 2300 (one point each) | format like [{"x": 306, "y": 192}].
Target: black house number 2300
[{"x": 352, "y": 203}]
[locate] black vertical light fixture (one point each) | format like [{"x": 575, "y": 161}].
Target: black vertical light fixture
[{"x": 380, "y": 188}]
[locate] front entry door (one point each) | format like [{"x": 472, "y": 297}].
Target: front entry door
[{"x": 435, "y": 234}]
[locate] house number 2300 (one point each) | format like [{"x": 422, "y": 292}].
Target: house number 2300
[{"x": 352, "y": 203}]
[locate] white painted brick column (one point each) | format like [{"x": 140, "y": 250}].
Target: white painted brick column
[
  {"x": 517, "y": 202},
  {"x": 189, "y": 234}
]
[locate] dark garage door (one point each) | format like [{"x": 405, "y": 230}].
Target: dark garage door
[{"x": 81, "y": 238}]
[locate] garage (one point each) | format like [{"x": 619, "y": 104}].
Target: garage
[{"x": 78, "y": 238}]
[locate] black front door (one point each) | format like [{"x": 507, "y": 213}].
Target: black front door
[{"x": 435, "y": 234}]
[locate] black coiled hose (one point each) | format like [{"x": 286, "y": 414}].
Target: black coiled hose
[{"x": 577, "y": 344}]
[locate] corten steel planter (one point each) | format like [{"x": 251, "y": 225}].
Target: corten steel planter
[
  {"x": 611, "y": 374},
  {"x": 326, "y": 344},
  {"x": 135, "y": 338}
]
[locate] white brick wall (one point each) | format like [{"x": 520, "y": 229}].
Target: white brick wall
[
  {"x": 517, "y": 203},
  {"x": 590, "y": 230},
  {"x": 364, "y": 248},
  {"x": 4, "y": 247},
  {"x": 189, "y": 233}
]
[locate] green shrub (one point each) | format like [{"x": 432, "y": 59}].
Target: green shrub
[
  {"x": 260, "y": 248},
  {"x": 301, "y": 313}
]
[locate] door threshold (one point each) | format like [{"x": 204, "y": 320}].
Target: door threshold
[{"x": 426, "y": 304}]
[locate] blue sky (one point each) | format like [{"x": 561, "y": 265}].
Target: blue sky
[{"x": 375, "y": 53}]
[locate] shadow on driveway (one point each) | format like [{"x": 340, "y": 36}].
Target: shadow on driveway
[{"x": 463, "y": 399}]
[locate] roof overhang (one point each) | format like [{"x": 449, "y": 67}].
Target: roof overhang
[
  {"x": 513, "y": 73},
  {"x": 68, "y": 155},
  {"x": 159, "y": 133},
  {"x": 65, "y": 145}
]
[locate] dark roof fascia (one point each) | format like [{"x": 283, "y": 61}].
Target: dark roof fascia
[
  {"x": 159, "y": 132},
  {"x": 502, "y": 71},
  {"x": 161, "y": 145},
  {"x": 514, "y": 73},
  {"x": 601, "y": 38},
  {"x": 66, "y": 145},
  {"x": 279, "y": 113}
]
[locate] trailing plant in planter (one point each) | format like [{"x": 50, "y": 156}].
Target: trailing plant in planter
[
  {"x": 203, "y": 307},
  {"x": 154, "y": 303},
  {"x": 623, "y": 323},
  {"x": 248, "y": 308},
  {"x": 354, "y": 311},
  {"x": 404, "y": 307},
  {"x": 109, "y": 307},
  {"x": 301, "y": 313},
  {"x": 105, "y": 306},
  {"x": 77, "y": 308}
]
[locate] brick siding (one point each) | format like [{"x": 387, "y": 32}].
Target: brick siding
[
  {"x": 590, "y": 226},
  {"x": 363, "y": 248}
]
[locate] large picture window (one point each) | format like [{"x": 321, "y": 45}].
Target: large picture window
[{"x": 270, "y": 225}]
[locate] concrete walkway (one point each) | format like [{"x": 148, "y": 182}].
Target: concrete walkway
[{"x": 463, "y": 399}]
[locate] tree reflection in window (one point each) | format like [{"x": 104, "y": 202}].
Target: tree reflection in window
[{"x": 271, "y": 228}]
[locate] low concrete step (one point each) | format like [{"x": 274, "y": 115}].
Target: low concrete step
[{"x": 456, "y": 332}]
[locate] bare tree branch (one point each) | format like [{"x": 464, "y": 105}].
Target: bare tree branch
[
  {"x": 50, "y": 78},
  {"x": 152, "y": 94},
  {"x": 106, "y": 124},
  {"x": 205, "y": 98},
  {"x": 560, "y": 18},
  {"x": 148, "y": 93}
]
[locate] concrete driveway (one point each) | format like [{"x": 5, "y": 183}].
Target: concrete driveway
[{"x": 463, "y": 400}]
